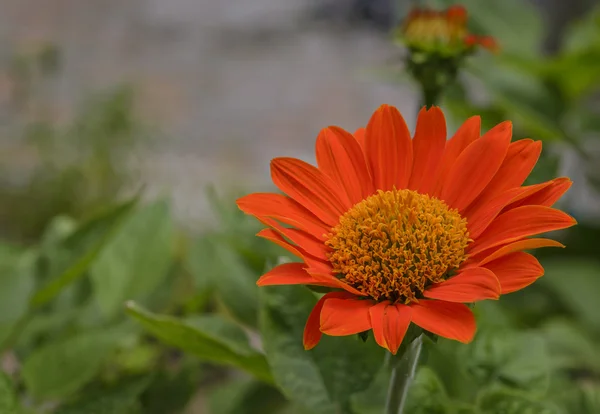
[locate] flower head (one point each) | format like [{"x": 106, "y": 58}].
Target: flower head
[
  {"x": 408, "y": 230},
  {"x": 443, "y": 32}
]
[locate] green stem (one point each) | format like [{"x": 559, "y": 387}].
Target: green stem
[
  {"x": 403, "y": 373},
  {"x": 431, "y": 96}
]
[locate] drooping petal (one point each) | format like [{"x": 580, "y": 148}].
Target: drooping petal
[
  {"x": 471, "y": 285},
  {"x": 287, "y": 274},
  {"x": 341, "y": 317},
  {"x": 340, "y": 157},
  {"x": 476, "y": 166},
  {"x": 517, "y": 246},
  {"x": 547, "y": 196},
  {"x": 284, "y": 209},
  {"x": 428, "y": 149},
  {"x": 446, "y": 319},
  {"x": 519, "y": 223},
  {"x": 390, "y": 323},
  {"x": 521, "y": 157},
  {"x": 467, "y": 133},
  {"x": 516, "y": 271},
  {"x": 388, "y": 149},
  {"x": 312, "y": 329},
  {"x": 311, "y": 188}
]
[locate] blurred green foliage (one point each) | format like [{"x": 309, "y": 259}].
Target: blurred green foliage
[{"x": 107, "y": 306}]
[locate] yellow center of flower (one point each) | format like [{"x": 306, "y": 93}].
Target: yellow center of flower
[{"x": 393, "y": 244}]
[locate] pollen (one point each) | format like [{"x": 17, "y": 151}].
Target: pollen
[{"x": 394, "y": 244}]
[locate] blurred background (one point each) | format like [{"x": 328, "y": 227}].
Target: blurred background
[{"x": 103, "y": 100}]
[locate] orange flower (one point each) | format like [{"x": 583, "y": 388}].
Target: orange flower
[
  {"x": 443, "y": 31},
  {"x": 408, "y": 230}
]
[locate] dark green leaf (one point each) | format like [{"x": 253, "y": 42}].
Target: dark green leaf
[
  {"x": 136, "y": 260},
  {"x": 427, "y": 394},
  {"x": 119, "y": 400},
  {"x": 61, "y": 368},
  {"x": 324, "y": 378},
  {"x": 16, "y": 284},
  {"x": 208, "y": 344}
]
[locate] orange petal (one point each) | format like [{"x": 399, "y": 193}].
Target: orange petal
[
  {"x": 390, "y": 323},
  {"x": 521, "y": 157},
  {"x": 446, "y": 319},
  {"x": 476, "y": 166},
  {"x": 520, "y": 245},
  {"x": 519, "y": 223},
  {"x": 388, "y": 149},
  {"x": 471, "y": 285},
  {"x": 396, "y": 320},
  {"x": 467, "y": 133},
  {"x": 428, "y": 149},
  {"x": 482, "y": 212},
  {"x": 359, "y": 135},
  {"x": 516, "y": 271},
  {"x": 297, "y": 251},
  {"x": 312, "y": 329},
  {"x": 341, "y": 317},
  {"x": 286, "y": 274},
  {"x": 546, "y": 196},
  {"x": 311, "y": 188},
  {"x": 340, "y": 157},
  {"x": 306, "y": 241},
  {"x": 284, "y": 209},
  {"x": 323, "y": 275}
]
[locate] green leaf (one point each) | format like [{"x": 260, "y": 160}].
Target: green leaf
[
  {"x": 499, "y": 19},
  {"x": 576, "y": 282},
  {"x": 205, "y": 339},
  {"x": 61, "y": 368},
  {"x": 234, "y": 282},
  {"x": 246, "y": 396},
  {"x": 8, "y": 400},
  {"x": 570, "y": 347},
  {"x": 506, "y": 401},
  {"x": 514, "y": 359},
  {"x": 16, "y": 284},
  {"x": 324, "y": 378},
  {"x": 119, "y": 400},
  {"x": 84, "y": 245},
  {"x": 136, "y": 260},
  {"x": 427, "y": 394}
]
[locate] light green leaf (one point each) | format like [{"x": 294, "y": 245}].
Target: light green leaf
[
  {"x": 83, "y": 245},
  {"x": 324, "y": 378},
  {"x": 136, "y": 260},
  {"x": 205, "y": 339},
  {"x": 514, "y": 359},
  {"x": 8, "y": 400},
  {"x": 577, "y": 284},
  {"x": 61, "y": 368},
  {"x": 119, "y": 400}
]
